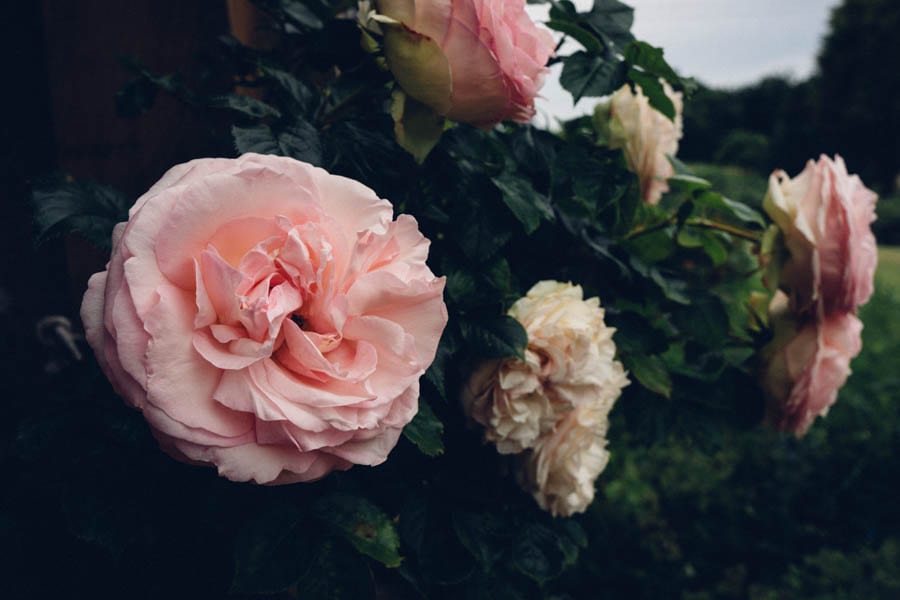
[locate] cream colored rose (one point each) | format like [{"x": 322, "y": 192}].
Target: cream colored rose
[
  {"x": 561, "y": 471},
  {"x": 508, "y": 399},
  {"x": 568, "y": 381},
  {"x": 576, "y": 349},
  {"x": 646, "y": 136}
]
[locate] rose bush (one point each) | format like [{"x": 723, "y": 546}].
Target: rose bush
[
  {"x": 267, "y": 317},
  {"x": 825, "y": 216},
  {"x": 806, "y": 364},
  {"x": 645, "y": 135},
  {"x": 473, "y": 61}
]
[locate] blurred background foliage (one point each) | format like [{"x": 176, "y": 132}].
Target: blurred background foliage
[{"x": 850, "y": 106}]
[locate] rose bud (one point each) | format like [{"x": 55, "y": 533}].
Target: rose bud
[
  {"x": 267, "y": 318},
  {"x": 646, "y": 136},
  {"x": 472, "y": 61}
]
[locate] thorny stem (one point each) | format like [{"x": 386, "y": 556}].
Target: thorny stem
[
  {"x": 697, "y": 222},
  {"x": 646, "y": 229},
  {"x": 752, "y": 236}
]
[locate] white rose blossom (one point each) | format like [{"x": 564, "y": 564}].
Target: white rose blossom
[
  {"x": 645, "y": 135},
  {"x": 555, "y": 403},
  {"x": 561, "y": 471}
]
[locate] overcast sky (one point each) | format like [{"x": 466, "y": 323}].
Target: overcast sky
[{"x": 720, "y": 42}]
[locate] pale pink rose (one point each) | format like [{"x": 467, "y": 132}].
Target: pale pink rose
[
  {"x": 474, "y": 61},
  {"x": 807, "y": 364},
  {"x": 646, "y": 136},
  {"x": 562, "y": 470},
  {"x": 267, "y": 317},
  {"x": 825, "y": 215}
]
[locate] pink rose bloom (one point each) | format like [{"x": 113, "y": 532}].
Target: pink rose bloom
[
  {"x": 473, "y": 61},
  {"x": 267, "y": 317},
  {"x": 645, "y": 135},
  {"x": 825, "y": 215},
  {"x": 806, "y": 365}
]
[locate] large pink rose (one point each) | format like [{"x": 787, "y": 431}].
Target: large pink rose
[
  {"x": 267, "y": 317},
  {"x": 474, "y": 61},
  {"x": 807, "y": 364},
  {"x": 825, "y": 215}
]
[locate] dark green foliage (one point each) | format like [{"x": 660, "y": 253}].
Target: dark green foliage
[
  {"x": 425, "y": 431},
  {"x": 298, "y": 140},
  {"x": 62, "y": 206}
]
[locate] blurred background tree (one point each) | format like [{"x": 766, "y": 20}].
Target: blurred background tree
[{"x": 850, "y": 106}]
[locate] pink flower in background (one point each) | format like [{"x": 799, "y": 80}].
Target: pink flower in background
[
  {"x": 807, "y": 364},
  {"x": 645, "y": 135},
  {"x": 473, "y": 61},
  {"x": 825, "y": 215},
  {"x": 267, "y": 317}
]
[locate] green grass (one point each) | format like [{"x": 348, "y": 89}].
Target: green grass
[{"x": 888, "y": 274}]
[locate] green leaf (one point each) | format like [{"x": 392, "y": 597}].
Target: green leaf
[
  {"x": 272, "y": 551},
  {"x": 299, "y": 13},
  {"x": 425, "y": 431},
  {"x": 650, "y": 59},
  {"x": 715, "y": 247},
  {"x": 362, "y": 524},
  {"x": 711, "y": 203},
  {"x": 591, "y": 42},
  {"x": 435, "y": 374},
  {"x": 65, "y": 206},
  {"x": 526, "y": 204},
  {"x": 590, "y": 75},
  {"x": 651, "y": 372},
  {"x": 482, "y": 237},
  {"x": 572, "y": 539},
  {"x": 688, "y": 184},
  {"x": 499, "y": 275},
  {"x": 335, "y": 572},
  {"x": 245, "y": 105},
  {"x": 296, "y": 89},
  {"x": 496, "y": 337},
  {"x": 461, "y": 286},
  {"x": 537, "y": 553},
  {"x": 654, "y": 90},
  {"x": 653, "y": 247},
  {"x": 298, "y": 140},
  {"x": 482, "y": 534},
  {"x": 417, "y": 127},
  {"x": 613, "y": 19}
]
